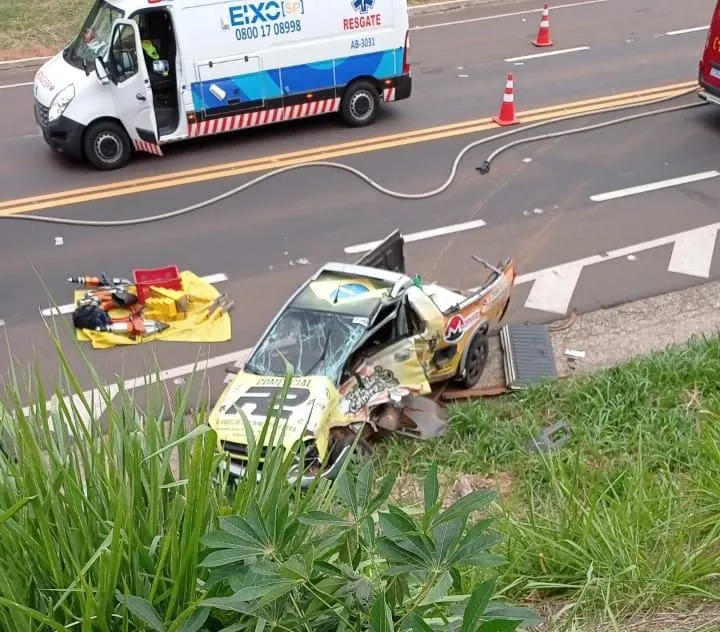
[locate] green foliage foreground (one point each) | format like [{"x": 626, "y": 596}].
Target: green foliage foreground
[
  {"x": 622, "y": 520},
  {"x": 137, "y": 528}
]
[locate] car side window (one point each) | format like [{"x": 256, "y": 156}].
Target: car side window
[
  {"x": 403, "y": 325},
  {"x": 415, "y": 323},
  {"x": 123, "y": 53}
]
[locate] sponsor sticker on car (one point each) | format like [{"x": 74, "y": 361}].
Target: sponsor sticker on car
[{"x": 458, "y": 325}]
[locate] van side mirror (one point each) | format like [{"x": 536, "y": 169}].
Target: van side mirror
[{"x": 101, "y": 71}]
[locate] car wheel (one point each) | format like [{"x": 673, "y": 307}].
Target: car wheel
[
  {"x": 107, "y": 146},
  {"x": 358, "y": 456},
  {"x": 360, "y": 104},
  {"x": 475, "y": 361}
]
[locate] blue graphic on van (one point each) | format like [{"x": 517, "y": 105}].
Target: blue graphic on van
[
  {"x": 363, "y": 5},
  {"x": 254, "y": 12},
  {"x": 279, "y": 82}
]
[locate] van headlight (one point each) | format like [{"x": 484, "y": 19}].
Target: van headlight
[{"x": 60, "y": 102}]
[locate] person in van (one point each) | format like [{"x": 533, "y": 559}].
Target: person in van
[{"x": 152, "y": 55}]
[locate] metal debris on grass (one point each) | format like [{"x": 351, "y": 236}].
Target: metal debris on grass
[{"x": 552, "y": 438}]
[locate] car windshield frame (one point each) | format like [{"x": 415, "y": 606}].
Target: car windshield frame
[
  {"x": 82, "y": 52},
  {"x": 326, "y": 341}
]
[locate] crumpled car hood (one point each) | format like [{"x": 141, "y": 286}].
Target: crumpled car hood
[{"x": 305, "y": 412}]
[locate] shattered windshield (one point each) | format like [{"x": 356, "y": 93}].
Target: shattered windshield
[
  {"x": 94, "y": 37},
  {"x": 312, "y": 342}
]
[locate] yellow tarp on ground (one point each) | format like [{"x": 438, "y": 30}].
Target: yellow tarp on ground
[{"x": 195, "y": 327}]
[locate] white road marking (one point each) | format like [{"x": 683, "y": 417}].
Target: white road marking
[
  {"x": 686, "y": 261},
  {"x": 562, "y": 51},
  {"x": 654, "y": 186},
  {"x": 212, "y": 279},
  {"x": 6, "y": 86},
  {"x": 237, "y": 357},
  {"x": 12, "y": 62},
  {"x": 95, "y": 409},
  {"x": 425, "y": 234},
  {"x": 553, "y": 288},
  {"x": 97, "y": 402},
  {"x": 552, "y": 292},
  {"x": 692, "y": 30},
  {"x": 692, "y": 253},
  {"x": 497, "y": 16}
]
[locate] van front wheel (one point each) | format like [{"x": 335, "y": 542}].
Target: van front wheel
[
  {"x": 360, "y": 104},
  {"x": 107, "y": 145}
]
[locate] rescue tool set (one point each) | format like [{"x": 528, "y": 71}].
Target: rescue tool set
[
  {"x": 351, "y": 357},
  {"x": 153, "y": 300}
]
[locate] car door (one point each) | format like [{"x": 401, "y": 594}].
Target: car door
[
  {"x": 132, "y": 93},
  {"x": 389, "y": 254},
  {"x": 390, "y": 367}
]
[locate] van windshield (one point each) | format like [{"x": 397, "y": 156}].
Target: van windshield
[{"x": 93, "y": 39}]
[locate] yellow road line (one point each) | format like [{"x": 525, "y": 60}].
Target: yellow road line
[
  {"x": 140, "y": 185},
  {"x": 378, "y": 139}
]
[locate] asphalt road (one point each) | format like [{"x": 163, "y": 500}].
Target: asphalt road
[{"x": 535, "y": 202}]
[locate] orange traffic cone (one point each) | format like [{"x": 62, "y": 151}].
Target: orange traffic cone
[
  {"x": 543, "y": 36},
  {"x": 507, "y": 109}
]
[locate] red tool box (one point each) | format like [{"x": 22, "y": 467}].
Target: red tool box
[{"x": 167, "y": 277}]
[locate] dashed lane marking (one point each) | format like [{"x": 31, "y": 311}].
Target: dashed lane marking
[
  {"x": 654, "y": 186},
  {"x": 562, "y": 51},
  {"x": 425, "y": 234}
]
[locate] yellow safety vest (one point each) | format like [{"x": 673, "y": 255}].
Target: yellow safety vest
[
  {"x": 150, "y": 49},
  {"x": 151, "y": 52}
]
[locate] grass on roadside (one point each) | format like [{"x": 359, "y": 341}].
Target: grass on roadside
[
  {"x": 623, "y": 518},
  {"x": 132, "y": 525},
  {"x": 47, "y": 25}
]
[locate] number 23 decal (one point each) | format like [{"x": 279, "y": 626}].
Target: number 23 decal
[{"x": 256, "y": 401}]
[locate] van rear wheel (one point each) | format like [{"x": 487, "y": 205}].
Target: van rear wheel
[
  {"x": 360, "y": 104},
  {"x": 107, "y": 146}
]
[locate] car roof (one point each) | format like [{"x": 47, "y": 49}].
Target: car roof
[{"x": 349, "y": 289}]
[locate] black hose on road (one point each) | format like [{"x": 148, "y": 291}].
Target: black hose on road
[{"x": 377, "y": 186}]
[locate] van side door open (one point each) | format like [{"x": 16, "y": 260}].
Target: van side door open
[
  {"x": 167, "y": 71},
  {"x": 132, "y": 92}
]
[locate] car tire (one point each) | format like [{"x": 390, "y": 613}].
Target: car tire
[
  {"x": 361, "y": 452},
  {"x": 360, "y": 104},
  {"x": 475, "y": 362},
  {"x": 107, "y": 146}
]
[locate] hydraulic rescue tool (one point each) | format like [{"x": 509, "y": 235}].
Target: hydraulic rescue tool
[
  {"x": 135, "y": 326},
  {"x": 100, "y": 282},
  {"x": 109, "y": 294}
]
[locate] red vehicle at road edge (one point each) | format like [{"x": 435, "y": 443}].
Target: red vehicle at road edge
[{"x": 709, "y": 70}]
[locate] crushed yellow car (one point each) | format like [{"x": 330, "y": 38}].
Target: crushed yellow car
[{"x": 366, "y": 342}]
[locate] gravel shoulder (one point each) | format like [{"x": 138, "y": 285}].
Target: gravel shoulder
[{"x": 617, "y": 335}]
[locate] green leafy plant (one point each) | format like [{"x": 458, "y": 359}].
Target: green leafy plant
[
  {"x": 90, "y": 516},
  {"x": 354, "y": 565},
  {"x": 135, "y": 525}
]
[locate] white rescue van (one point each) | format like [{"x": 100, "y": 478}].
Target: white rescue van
[{"x": 145, "y": 73}]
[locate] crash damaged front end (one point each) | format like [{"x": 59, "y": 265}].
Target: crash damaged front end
[
  {"x": 307, "y": 466},
  {"x": 319, "y": 424},
  {"x": 294, "y": 415},
  {"x": 386, "y": 393}
]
